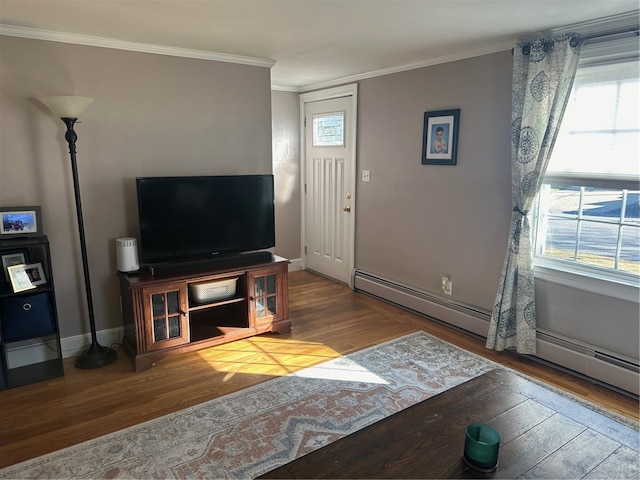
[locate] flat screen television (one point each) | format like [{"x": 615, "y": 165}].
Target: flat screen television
[{"x": 197, "y": 217}]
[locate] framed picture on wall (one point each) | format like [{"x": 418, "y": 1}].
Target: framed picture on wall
[
  {"x": 440, "y": 137},
  {"x": 20, "y": 222}
]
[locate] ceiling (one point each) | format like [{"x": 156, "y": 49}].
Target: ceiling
[{"x": 314, "y": 43}]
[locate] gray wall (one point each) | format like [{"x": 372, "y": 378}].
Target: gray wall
[
  {"x": 609, "y": 323},
  {"x": 286, "y": 169},
  {"x": 416, "y": 223},
  {"x": 153, "y": 115}
]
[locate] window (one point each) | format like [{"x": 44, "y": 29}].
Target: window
[
  {"x": 587, "y": 217},
  {"x": 328, "y": 130}
]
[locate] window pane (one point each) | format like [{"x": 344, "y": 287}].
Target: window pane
[
  {"x": 174, "y": 326},
  {"x": 605, "y": 205},
  {"x": 564, "y": 201},
  {"x": 598, "y": 244},
  {"x": 600, "y": 129},
  {"x": 159, "y": 331},
  {"x": 259, "y": 287},
  {"x": 632, "y": 212},
  {"x": 157, "y": 302},
  {"x": 630, "y": 252},
  {"x": 271, "y": 305},
  {"x": 628, "y": 105},
  {"x": 328, "y": 130},
  {"x": 173, "y": 303},
  {"x": 589, "y": 99},
  {"x": 623, "y": 157},
  {"x": 561, "y": 240},
  {"x": 271, "y": 284},
  {"x": 597, "y": 153}
]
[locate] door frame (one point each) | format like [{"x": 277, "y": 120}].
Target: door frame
[{"x": 350, "y": 90}]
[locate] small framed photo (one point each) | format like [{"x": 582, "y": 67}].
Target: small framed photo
[
  {"x": 26, "y": 276},
  {"x": 440, "y": 137},
  {"x": 20, "y": 222},
  {"x": 17, "y": 257}
]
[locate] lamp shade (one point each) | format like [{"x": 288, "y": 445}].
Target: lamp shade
[{"x": 67, "y": 106}]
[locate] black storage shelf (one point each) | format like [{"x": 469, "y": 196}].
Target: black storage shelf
[
  {"x": 28, "y": 320},
  {"x": 36, "y": 372},
  {"x": 6, "y": 291}
]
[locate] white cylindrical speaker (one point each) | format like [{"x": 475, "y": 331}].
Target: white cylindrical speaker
[{"x": 127, "y": 254}]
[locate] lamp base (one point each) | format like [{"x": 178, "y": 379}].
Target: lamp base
[{"x": 96, "y": 356}]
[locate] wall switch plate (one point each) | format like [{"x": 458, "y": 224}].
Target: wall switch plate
[{"x": 366, "y": 175}]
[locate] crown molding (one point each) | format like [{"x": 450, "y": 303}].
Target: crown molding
[
  {"x": 613, "y": 22},
  {"x": 284, "y": 88},
  {"x": 47, "y": 35},
  {"x": 403, "y": 68}
]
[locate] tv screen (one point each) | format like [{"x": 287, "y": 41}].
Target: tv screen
[{"x": 184, "y": 218}]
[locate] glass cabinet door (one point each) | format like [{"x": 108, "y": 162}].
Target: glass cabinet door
[
  {"x": 168, "y": 322},
  {"x": 266, "y": 303}
]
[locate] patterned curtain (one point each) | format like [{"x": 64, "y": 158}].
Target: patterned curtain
[{"x": 543, "y": 73}]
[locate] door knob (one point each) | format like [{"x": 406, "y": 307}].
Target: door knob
[{"x": 347, "y": 209}]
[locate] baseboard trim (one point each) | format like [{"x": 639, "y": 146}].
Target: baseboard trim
[
  {"x": 586, "y": 361},
  {"x": 35, "y": 351},
  {"x": 296, "y": 264},
  {"x": 73, "y": 346},
  {"x": 457, "y": 314}
]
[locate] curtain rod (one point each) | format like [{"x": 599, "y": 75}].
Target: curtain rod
[
  {"x": 631, "y": 30},
  {"x": 612, "y": 33}
]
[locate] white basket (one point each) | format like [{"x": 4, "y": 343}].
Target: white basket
[{"x": 213, "y": 291}]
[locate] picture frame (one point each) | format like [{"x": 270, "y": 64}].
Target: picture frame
[
  {"x": 14, "y": 257},
  {"x": 20, "y": 222},
  {"x": 440, "y": 137},
  {"x": 26, "y": 276}
]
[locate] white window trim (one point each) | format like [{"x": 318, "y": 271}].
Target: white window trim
[
  {"x": 609, "y": 180},
  {"x": 585, "y": 278}
]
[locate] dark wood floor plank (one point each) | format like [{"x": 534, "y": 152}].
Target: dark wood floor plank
[
  {"x": 520, "y": 419},
  {"x": 526, "y": 451},
  {"x": 575, "y": 459},
  {"x": 567, "y": 406},
  {"x": 624, "y": 463}
]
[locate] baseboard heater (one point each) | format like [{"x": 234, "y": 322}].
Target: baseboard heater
[{"x": 588, "y": 361}]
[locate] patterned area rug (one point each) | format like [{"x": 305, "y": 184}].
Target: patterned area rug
[{"x": 250, "y": 432}]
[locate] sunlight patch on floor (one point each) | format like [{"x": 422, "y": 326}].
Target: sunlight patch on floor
[
  {"x": 342, "y": 369},
  {"x": 283, "y": 356}
]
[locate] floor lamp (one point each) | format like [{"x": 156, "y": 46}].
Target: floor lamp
[{"x": 69, "y": 109}]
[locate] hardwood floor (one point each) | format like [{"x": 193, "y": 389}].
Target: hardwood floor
[{"x": 328, "y": 319}]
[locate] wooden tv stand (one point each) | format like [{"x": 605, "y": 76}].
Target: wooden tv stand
[{"x": 162, "y": 317}]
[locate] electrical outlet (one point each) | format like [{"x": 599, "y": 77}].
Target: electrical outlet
[
  {"x": 366, "y": 175},
  {"x": 447, "y": 285}
]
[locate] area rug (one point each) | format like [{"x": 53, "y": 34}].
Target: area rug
[{"x": 250, "y": 432}]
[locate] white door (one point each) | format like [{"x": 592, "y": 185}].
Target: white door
[{"x": 329, "y": 182}]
